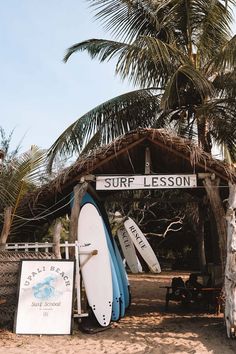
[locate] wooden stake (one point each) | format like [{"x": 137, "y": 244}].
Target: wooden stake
[
  {"x": 79, "y": 191},
  {"x": 57, "y": 238},
  {"x": 6, "y": 227}
]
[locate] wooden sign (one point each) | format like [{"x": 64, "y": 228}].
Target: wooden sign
[
  {"x": 45, "y": 297},
  {"x": 145, "y": 182}
]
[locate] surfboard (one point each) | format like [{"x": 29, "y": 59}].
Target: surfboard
[
  {"x": 118, "y": 303},
  {"x": 124, "y": 277},
  {"x": 128, "y": 249},
  {"x": 116, "y": 300},
  {"x": 96, "y": 269},
  {"x": 142, "y": 245},
  {"x": 118, "y": 274}
]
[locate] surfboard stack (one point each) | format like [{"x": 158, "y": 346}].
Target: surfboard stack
[{"x": 104, "y": 276}]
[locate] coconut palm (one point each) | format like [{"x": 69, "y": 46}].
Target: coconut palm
[
  {"x": 182, "y": 58},
  {"x": 19, "y": 174}
]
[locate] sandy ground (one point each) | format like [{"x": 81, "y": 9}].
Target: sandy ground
[{"x": 146, "y": 329}]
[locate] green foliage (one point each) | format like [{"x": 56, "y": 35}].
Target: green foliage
[
  {"x": 182, "y": 56},
  {"x": 19, "y": 174}
]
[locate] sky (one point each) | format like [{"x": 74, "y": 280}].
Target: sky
[{"x": 40, "y": 96}]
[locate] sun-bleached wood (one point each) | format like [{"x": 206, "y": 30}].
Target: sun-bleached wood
[
  {"x": 57, "y": 238},
  {"x": 6, "y": 227},
  {"x": 230, "y": 268},
  {"x": 79, "y": 191}
]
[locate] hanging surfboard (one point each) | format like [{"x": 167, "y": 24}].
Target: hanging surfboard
[
  {"x": 128, "y": 249},
  {"x": 142, "y": 245},
  {"x": 118, "y": 303},
  {"x": 95, "y": 269}
]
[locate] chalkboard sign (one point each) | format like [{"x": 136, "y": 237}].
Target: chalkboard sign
[{"x": 45, "y": 297}]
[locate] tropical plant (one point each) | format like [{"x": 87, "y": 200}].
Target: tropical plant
[
  {"x": 181, "y": 55},
  {"x": 19, "y": 174}
]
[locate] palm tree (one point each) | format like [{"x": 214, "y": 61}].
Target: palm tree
[
  {"x": 19, "y": 174},
  {"x": 181, "y": 56}
]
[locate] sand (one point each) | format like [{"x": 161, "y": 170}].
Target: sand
[{"x": 146, "y": 329}]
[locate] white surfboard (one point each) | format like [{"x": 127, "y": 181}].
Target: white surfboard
[
  {"x": 142, "y": 245},
  {"x": 95, "y": 269},
  {"x": 128, "y": 249}
]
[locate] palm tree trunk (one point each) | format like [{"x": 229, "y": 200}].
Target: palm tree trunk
[
  {"x": 201, "y": 240},
  {"x": 204, "y": 140},
  {"x": 212, "y": 189}
]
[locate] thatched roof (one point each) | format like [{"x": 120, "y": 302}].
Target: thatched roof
[{"x": 126, "y": 155}]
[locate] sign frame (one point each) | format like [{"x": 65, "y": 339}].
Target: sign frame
[
  {"x": 154, "y": 181},
  {"x": 45, "y": 297}
]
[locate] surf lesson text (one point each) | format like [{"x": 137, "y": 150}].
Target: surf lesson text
[{"x": 145, "y": 182}]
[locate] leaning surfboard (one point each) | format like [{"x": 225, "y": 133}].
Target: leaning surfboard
[
  {"x": 118, "y": 303},
  {"x": 142, "y": 245},
  {"x": 128, "y": 249},
  {"x": 95, "y": 269}
]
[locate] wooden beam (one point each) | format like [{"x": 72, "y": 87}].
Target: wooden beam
[{"x": 183, "y": 156}]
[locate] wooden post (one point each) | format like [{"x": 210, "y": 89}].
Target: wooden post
[
  {"x": 230, "y": 268},
  {"x": 147, "y": 161},
  {"x": 57, "y": 238},
  {"x": 6, "y": 227},
  {"x": 79, "y": 191},
  {"x": 212, "y": 189},
  {"x": 200, "y": 237}
]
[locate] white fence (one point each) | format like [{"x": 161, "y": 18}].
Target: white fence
[{"x": 41, "y": 247}]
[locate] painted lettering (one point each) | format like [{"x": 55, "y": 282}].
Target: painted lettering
[
  {"x": 163, "y": 181},
  {"x": 107, "y": 182},
  {"x": 145, "y": 182},
  {"x": 170, "y": 181},
  {"x": 123, "y": 182},
  {"x": 130, "y": 180},
  {"x": 187, "y": 181},
  {"x": 155, "y": 181}
]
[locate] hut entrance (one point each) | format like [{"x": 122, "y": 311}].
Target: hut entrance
[{"x": 153, "y": 154}]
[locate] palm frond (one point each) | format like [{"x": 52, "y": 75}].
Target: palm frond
[
  {"x": 187, "y": 86},
  {"x": 225, "y": 84},
  {"x": 129, "y": 19},
  {"x": 225, "y": 58},
  {"x": 146, "y": 62},
  {"x": 23, "y": 169},
  {"x": 211, "y": 27},
  {"x": 107, "y": 121},
  {"x": 222, "y": 121}
]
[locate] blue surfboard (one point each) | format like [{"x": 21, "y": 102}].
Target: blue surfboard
[
  {"x": 118, "y": 305},
  {"x": 118, "y": 273},
  {"x": 115, "y": 315},
  {"x": 123, "y": 276},
  {"x": 120, "y": 269}
]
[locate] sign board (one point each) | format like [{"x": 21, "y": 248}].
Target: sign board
[
  {"x": 45, "y": 297},
  {"x": 145, "y": 182}
]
